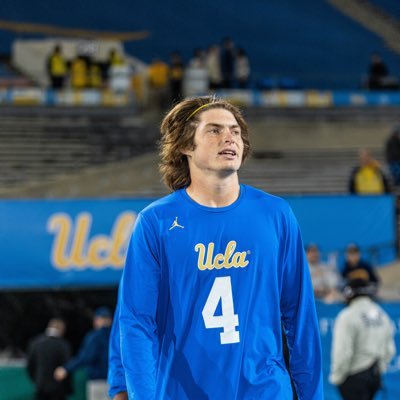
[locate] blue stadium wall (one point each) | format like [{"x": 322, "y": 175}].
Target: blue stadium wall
[
  {"x": 82, "y": 243},
  {"x": 308, "y": 40}
]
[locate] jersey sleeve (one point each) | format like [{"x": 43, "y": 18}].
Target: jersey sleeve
[
  {"x": 138, "y": 308},
  {"x": 86, "y": 354},
  {"x": 299, "y": 316},
  {"x": 116, "y": 373}
]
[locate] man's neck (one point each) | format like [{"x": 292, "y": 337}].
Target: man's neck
[
  {"x": 51, "y": 331},
  {"x": 215, "y": 193}
]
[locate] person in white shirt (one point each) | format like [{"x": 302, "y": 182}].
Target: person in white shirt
[
  {"x": 325, "y": 277},
  {"x": 363, "y": 343}
]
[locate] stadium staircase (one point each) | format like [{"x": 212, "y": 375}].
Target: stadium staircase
[{"x": 374, "y": 18}]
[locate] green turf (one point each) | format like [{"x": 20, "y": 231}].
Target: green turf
[{"x": 16, "y": 385}]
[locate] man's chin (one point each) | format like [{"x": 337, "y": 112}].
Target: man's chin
[{"x": 225, "y": 172}]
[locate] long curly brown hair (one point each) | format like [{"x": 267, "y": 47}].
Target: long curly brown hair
[{"x": 177, "y": 133}]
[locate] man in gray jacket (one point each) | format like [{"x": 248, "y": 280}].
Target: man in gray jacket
[{"x": 363, "y": 344}]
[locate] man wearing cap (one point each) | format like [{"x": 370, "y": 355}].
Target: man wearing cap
[
  {"x": 93, "y": 356},
  {"x": 355, "y": 267},
  {"x": 363, "y": 343}
]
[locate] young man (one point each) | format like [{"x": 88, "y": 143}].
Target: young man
[
  {"x": 363, "y": 343},
  {"x": 212, "y": 271}
]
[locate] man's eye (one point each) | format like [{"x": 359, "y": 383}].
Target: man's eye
[
  {"x": 214, "y": 130},
  {"x": 236, "y": 132}
]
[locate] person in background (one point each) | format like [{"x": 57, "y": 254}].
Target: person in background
[
  {"x": 213, "y": 62},
  {"x": 242, "y": 69},
  {"x": 176, "y": 71},
  {"x": 114, "y": 58},
  {"x": 213, "y": 272},
  {"x": 95, "y": 76},
  {"x": 57, "y": 68},
  {"x": 363, "y": 343},
  {"x": 392, "y": 153},
  {"x": 45, "y": 353},
  {"x": 228, "y": 58},
  {"x": 79, "y": 73},
  {"x": 377, "y": 72},
  {"x": 368, "y": 178},
  {"x": 196, "y": 79},
  {"x": 93, "y": 356},
  {"x": 116, "y": 374},
  {"x": 118, "y": 72},
  {"x": 158, "y": 74},
  {"x": 355, "y": 267},
  {"x": 325, "y": 278}
]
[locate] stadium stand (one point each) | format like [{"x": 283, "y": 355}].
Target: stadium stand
[
  {"x": 40, "y": 144},
  {"x": 303, "y": 151},
  {"x": 311, "y": 39},
  {"x": 391, "y": 7},
  {"x": 374, "y": 18}
]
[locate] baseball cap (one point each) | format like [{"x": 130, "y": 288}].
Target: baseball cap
[
  {"x": 359, "y": 287},
  {"x": 353, "y": 247},
  {"x": 103, "y": 312}
]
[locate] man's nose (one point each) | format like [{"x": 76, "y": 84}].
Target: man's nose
[{"x": 228, "y": 135}]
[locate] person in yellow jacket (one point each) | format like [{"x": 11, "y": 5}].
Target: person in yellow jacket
[
  {"x": 79, "y": 73},
  {"x": 95, "y": 75},
  {"x": 158, "y": 75},
  {"x": 368, "y": 178},
  {"x": 57, "y": 68}
]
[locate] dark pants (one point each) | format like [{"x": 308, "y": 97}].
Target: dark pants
[
  {"x": 361, "y": 386},
  {"x": 46, "y": 396},
  {"x": 57, "y": 82}
]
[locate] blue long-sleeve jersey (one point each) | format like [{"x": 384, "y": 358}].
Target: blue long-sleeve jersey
[
  {"x": 116, "y": 374},
  {"x": 204, "y": 294}
]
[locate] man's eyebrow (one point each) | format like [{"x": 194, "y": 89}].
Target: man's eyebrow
[{"x": 221, "y": 125}]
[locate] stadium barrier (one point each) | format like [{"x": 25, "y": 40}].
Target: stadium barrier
[
  {"x": 82, "y": 243},
  {"x": 255, "y": 98}
]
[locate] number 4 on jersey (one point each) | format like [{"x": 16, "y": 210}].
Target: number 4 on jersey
[{"x": 228, "y": 320}]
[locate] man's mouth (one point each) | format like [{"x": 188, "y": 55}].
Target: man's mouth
[{"x": 228, "y": 152}]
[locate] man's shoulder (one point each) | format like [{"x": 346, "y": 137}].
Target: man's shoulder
[
  {"x": 38, "y": 339},
  {"x": 265, "y": 204},
  {"x": 264, "y": 198},
  {"x": 346, "y": 316},
  {"x": 162, "y": 203},
  {"x": 48, "y": 341}
]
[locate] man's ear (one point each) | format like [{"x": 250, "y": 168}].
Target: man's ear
[{"x": 187, "y": 152}]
